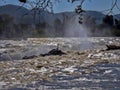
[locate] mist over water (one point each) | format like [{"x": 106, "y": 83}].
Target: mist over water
[{"x": 74, "y": 29}]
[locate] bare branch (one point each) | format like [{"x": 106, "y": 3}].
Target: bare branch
[{"x": 113, "y": 6}]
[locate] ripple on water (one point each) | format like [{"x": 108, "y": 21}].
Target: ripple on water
[{"x": 102, "y": 77}]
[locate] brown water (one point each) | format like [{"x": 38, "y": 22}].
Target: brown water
[{"x": 87, "y": 65}]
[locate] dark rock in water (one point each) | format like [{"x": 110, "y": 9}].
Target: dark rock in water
[
  {"x": 39, "y": 66},
  {"x": 112, "y": 47},
  {"x": 29, "y": 57},
  {"x": 54, "y": 52}
]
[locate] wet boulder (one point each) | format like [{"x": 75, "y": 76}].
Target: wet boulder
[
  {"x": 112, "y": 47},
  {"x": 54, "y": 52},
  {"x": 29, "y": 57}
]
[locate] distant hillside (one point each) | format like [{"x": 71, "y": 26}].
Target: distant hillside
[
  {"x": 21, "y": 12},
  {"x": 49, "y": 24},
  {"x": 14, "y": 10}
]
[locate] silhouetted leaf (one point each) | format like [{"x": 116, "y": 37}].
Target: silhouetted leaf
[{"x": 23, "y": 1}]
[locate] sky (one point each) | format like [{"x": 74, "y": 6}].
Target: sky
[{"x": 95, "y": 5}]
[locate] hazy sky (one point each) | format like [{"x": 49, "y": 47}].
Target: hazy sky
[{"x": 96, "y": 5}]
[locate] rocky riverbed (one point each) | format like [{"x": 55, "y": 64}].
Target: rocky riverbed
[{"x": 86, "y": 64}]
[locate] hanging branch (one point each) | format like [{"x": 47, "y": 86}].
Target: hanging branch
[
  {"x": 113, "y": 6},
  {"x": 80, "y": 11},
  {"x": 37, "y": 5}
]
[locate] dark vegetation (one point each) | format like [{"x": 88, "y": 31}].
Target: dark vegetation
[
  {"x": 10, "y": 28},
  {"x": 113, "y": 23},
  {"x": 110, "y": 26}
]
